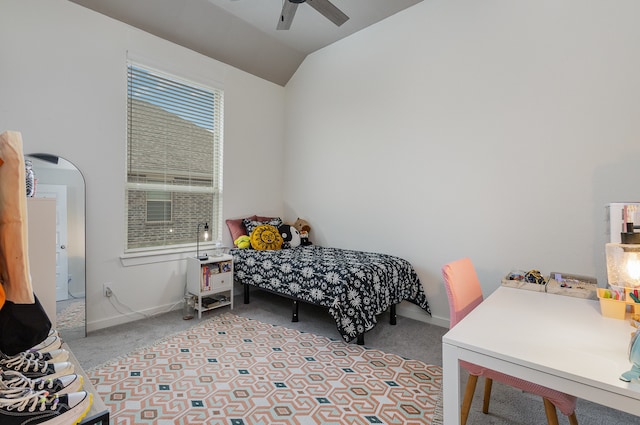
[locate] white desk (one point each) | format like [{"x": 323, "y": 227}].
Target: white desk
[{"x": 557, "y": 341}]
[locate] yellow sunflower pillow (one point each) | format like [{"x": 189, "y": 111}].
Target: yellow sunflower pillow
[{"x": 266, "y": 236}]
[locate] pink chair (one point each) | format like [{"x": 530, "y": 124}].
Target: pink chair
[{"x": 465, "y": 293}]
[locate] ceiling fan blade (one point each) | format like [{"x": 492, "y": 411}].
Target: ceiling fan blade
[
  {"x": 329, "y": 11},
  {"x": 286, "y": 17}
]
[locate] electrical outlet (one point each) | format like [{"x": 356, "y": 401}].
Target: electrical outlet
[{"x": 106, "y": 290}]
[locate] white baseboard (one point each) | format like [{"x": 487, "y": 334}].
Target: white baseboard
[
  {"x": 412, "y": 311},
  {"x": 121, "y": 319},
  {"x": 405, "y": 309}
]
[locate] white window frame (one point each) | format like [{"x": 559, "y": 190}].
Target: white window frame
[{"x": 177, "y": 184}]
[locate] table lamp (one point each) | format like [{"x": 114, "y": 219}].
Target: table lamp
[
  {"x": 206, "y": 236},
  {"x": 623, "y": 264}
]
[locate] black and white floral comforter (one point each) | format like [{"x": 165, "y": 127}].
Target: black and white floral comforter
[{"x": 355, "y": 286}]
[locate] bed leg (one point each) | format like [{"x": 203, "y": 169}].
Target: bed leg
[
  {"x": 246, "y": 293},
  {"x": 360, "y": 339},
  {"x": 294, "y": 318},
  {"x": 392, "y": 314}
]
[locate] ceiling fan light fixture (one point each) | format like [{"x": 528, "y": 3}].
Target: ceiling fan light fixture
[{"x": 324, "y": 7}]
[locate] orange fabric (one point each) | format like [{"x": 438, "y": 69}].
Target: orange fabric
[
  {"x": 2, "y": 295},
  {"x": 14, "y": 256},
  {"x": 465, "y": 293}
]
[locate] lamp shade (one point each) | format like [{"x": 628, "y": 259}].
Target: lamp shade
[{"x": 623, "y": 264}]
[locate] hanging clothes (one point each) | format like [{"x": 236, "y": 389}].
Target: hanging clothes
[
  {"x": 14, "y": 257},
  {"x": 23, "y": 321}
]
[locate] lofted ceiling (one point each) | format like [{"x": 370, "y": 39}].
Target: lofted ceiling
[{"x": 242, "y": 33}]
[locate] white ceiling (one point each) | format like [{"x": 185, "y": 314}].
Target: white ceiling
[{"x": 242, "y": 33}]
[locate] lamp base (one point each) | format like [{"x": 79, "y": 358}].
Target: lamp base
[
  {"x": 630, "y": 238},
  {"x": 202, "y": 257}
]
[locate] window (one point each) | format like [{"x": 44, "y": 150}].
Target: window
[
  {"x": 174, "y": 160},
  {"x": 158, "y": 207}
]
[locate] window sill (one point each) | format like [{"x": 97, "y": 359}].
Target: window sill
[{"x": 160, "y": 256}]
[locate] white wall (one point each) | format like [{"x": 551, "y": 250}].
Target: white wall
[
  {"x": 491, "y": 129},
  {"x": 63, "y": 85},
  {"x": 496, "y": 130}
]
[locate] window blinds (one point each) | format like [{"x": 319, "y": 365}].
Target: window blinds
[{"x": 174, "y": 145}]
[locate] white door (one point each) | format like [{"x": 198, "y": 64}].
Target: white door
[{"x": 59, "y": 192}]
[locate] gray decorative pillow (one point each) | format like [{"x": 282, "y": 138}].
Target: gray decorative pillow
[{"x": 252, "y": 224}]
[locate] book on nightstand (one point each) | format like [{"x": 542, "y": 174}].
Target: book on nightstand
[{"x": 213, "y": 300}]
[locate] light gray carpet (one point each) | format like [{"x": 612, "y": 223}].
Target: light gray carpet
[{"x": 409, "y": 338}]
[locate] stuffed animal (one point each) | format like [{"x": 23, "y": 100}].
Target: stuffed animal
[
  {"x": 304, "y": 228},
  {"x": 290, "y": 235},
  {"x": 304, "y": 239},
  {"x": 302, "y": 225},
  {"x": 243, "y": 242}
]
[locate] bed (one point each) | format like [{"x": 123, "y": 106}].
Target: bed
[{"x": 355, "y": 286}]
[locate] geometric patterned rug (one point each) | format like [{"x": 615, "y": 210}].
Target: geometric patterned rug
[{"x": 237, "y": 371}]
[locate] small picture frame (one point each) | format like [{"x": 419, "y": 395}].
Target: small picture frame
[{"x": 225, "y": 266}]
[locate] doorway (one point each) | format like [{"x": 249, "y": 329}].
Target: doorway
[{"x": 59, "y": 193}]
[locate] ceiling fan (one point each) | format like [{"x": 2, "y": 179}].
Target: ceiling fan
[{"x": 325, "y": 7}]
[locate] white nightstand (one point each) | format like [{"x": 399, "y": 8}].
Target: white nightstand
[{"x": 211, "y": 282}]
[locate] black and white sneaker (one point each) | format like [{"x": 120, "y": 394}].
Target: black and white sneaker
[
  {"x": 52, "y": 342},
  {"x": 34, "y": 368},
  {"x": 53, "y": 356},
  {"x": 10, "y": 380},
  {"x": 20, "y": 407}
]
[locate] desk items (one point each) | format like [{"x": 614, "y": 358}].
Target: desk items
[
  {"x": 613, "y": 303},
  {"x": 573, "y": 285},
  {"x": 634, "y": 358},
  {"x": 618, "y": 298},
  {"x": 517, "y": 279}
]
